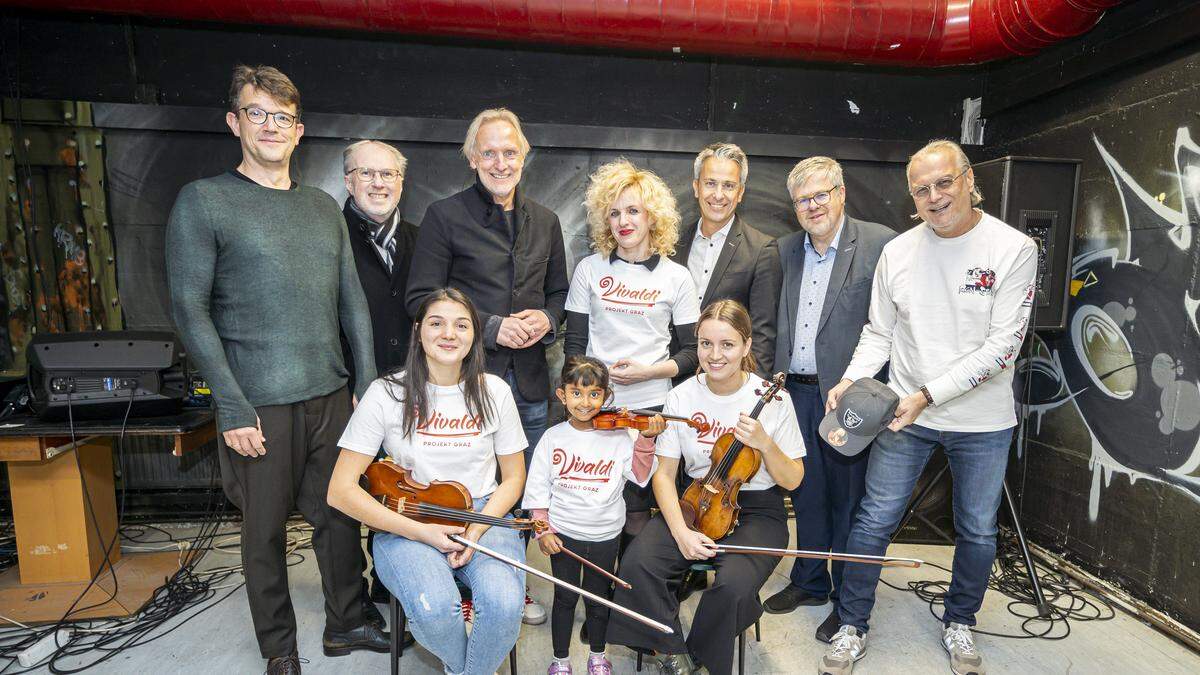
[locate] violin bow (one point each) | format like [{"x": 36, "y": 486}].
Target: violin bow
[
  {"x": 558, "y": 582},
  {"x": 884, "y": 561},
  {"x": 571, "y": 554}
]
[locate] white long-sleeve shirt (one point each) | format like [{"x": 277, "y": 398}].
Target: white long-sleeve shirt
[{"x": 951, "y": 314}]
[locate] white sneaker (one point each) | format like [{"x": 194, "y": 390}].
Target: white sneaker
[
  {"x": 847, "y": 646},
  {"x": 960, "y": 645},
  {"x": 534, "y": 613}
]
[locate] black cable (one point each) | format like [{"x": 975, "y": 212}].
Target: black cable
[{"x": 1068, "y": 601}]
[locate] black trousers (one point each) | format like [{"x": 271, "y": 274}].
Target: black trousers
[
  {"x": 654, "y": 567},
  {"x": 562, "y": 615},
  {"x": 301, "y": 451}
]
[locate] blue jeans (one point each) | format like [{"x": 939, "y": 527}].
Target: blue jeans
[
  {"x": 977, "y": 462},
  {"x": 533, "y": 416},
  {"x": 421, "y": 579},
  {"x": 827, "y": 499}
]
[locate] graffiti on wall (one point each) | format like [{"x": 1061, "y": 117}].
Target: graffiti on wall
[{"x": 1129, "y": 364}]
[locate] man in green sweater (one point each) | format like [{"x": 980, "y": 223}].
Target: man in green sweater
[{"x": 261, "y": 277}]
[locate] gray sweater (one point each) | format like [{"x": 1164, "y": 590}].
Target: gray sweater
[{"x": 261, "y": 280}]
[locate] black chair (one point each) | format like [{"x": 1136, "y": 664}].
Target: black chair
[
  {"x": 706, "y": 567},
  {"x": 398, "y": 622}
]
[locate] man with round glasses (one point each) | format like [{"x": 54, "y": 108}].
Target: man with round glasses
[
  {"x": 827, "y": 272},
  {"x": 949, "y": 310},
  {"x": 382, "y": 242},
  {"x": 261, "y": 280}
]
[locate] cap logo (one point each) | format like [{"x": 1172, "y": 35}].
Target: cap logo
[{"x": 851, "y": 420}]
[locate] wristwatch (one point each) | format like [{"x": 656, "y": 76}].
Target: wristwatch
[{"x": 928, "y": 396}]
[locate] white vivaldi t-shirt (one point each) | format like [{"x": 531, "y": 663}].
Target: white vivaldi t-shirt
[
  {"x": 578, "y": 476},
  {"x": 694, "y": 400},
  {"x": 450, "y": 445},
  {"x": 630, "y": 310}
]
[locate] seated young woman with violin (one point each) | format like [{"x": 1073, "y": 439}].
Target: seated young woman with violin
[
  {"x": 751, "y": 450},
  {"x": 443, "y": 418},
  {"x": 575, "y": 482},
  {"x": 625, "y": 298}
]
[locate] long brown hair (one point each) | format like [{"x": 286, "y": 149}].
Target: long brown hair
[
  {"x": 413, "y": 376},
  {"x": 733, "y": 313}
]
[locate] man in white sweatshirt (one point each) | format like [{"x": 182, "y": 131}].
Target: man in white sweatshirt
[{"x": 949, "y": 309}]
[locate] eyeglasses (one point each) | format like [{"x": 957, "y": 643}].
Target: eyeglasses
[
  {"x": 259, "y": 116},
  {"x": 921, "y": 192},
  {"x": 820, "y": 198},
  {"x": 368, "y": 175}
]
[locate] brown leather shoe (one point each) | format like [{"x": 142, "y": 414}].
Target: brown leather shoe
[{"x": 284, "y": 665}]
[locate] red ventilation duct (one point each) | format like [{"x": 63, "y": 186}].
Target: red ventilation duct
[{"x": 887, "y": 32}]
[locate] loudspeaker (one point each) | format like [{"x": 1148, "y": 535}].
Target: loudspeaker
[
  {"x": 932, "y": 521},
  {"x": 104, "y": 374},
  {"x": 1037, "y": 196}
]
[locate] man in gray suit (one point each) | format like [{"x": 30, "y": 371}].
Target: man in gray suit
[{"x": 827, "y": 273}]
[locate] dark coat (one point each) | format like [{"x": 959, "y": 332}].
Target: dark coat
[
  {"x": 390, "y": 322},
  {"x": 847, "y": 299},
  {"x": 747, "y": 270},
  {"x": 463, "y": 242}
]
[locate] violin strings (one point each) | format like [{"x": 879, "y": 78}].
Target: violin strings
[{"x": 420, "y": 509}]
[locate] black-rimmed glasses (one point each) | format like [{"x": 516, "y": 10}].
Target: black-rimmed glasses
[
  {"x": 259, "y": 116},
  {"x": 820, "y": 199}
]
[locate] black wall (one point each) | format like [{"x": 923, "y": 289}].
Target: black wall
[
  {"x": 109, "y": 59},
  {"x": 1111, "y": 473}
]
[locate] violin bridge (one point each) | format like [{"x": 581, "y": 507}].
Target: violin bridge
[{"x": 711, "y": 489}]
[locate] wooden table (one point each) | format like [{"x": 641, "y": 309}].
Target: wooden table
[{"x": 65, "y": 516}]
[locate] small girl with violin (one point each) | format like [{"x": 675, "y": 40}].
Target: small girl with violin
[
  {"x": 443, "y": 418},
  {"x": 576, "y": 477},
  {"x": 722, "y": 396}
]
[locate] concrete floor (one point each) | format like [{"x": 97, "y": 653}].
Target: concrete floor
[{"x": 904, "y": 637}]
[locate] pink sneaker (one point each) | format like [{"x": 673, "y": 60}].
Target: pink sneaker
[
  {"x": 598, "y": 664},
  {"x": 557, "y": 668}
]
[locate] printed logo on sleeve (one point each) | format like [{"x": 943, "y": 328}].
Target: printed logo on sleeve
[{"x": 980, "y": 280}]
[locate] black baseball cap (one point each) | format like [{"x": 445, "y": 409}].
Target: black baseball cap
[{"x": 864, "y": 410}]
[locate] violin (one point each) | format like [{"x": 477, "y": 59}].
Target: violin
[
  {"x": 449, "y": 503},
  {"x": 439, "y": 503},
  {"x": 709, "y": 505},
  {"x": 622, "y": 418}
]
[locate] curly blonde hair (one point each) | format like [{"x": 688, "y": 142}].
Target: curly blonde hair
[{"x": 605, "y": 187}]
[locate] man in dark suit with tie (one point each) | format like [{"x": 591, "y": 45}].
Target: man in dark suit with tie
[
  {"x": 727, "y": 257},
  {"x": 827, "y": 272}
]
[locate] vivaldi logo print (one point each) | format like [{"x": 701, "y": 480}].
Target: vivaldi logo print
[
  {"x": 573, "y": 468},
  {"x": 618, "y": 293},
  {"x": 441, "y": 426},
  {"x": 715, "y": 429}
]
